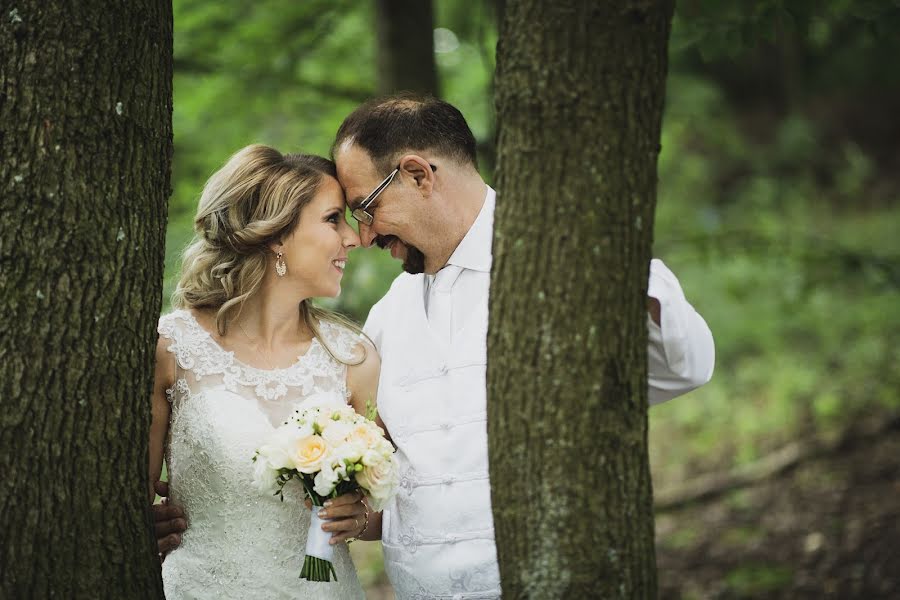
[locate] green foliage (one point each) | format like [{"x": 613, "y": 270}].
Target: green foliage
[
  {"x": 728, "y": 28},
  {"x": 752, "y": 580},
  {"x": 796, "y": 275}
]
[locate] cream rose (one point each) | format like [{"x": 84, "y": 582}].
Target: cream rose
[
  {"x": 380, "y": 481},
  {"x": 310, "y": 453},
  {"x": 365, "y": 435}
]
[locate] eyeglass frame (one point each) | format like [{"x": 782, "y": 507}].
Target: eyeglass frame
[{"x": 361, "y": 214}]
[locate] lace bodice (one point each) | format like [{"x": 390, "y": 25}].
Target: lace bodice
[{"x": 239, "y": 543}]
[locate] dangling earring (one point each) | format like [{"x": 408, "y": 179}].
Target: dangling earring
[{"x": 280, "y": 267}]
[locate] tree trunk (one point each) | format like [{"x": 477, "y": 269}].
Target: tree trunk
[
  {"x": 86, "y": 103},
  {"x": 406, "y": 47},
  {"x": 580, "y": 91}
]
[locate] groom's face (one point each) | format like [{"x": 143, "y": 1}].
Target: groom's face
[{"x": 392, "y": 223}]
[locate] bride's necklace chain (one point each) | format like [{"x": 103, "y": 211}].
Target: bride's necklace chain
[{"x": 257, "y": 345}]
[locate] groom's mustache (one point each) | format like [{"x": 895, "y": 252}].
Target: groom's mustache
[
  {"x": 383, "y": 241},
  {"x": 415, "y": 260}
]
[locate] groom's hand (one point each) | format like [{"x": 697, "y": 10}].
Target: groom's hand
[
  {"x": 347, "y": 516},
  {"x": 168, "y": 521}
]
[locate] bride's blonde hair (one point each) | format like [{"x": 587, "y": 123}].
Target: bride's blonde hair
[{"x": 253, "y": 201}]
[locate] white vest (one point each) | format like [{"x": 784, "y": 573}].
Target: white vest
[{"x": 438, "y": 534}]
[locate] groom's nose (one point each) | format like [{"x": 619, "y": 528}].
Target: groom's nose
[{"x": 366, "y": 235}]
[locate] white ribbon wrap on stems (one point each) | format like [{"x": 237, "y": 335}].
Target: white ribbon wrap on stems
[{"x": 317, "y": 540}]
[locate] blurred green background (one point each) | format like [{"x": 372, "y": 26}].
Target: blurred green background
[{"x": 779, "y": 182}]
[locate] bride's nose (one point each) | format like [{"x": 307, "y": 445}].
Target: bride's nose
[{"x": 351, "y": 238}]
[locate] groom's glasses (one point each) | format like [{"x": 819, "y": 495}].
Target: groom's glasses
[{"x": 362, "y": 213}]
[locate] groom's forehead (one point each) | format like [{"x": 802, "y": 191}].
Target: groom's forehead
[
  {"x": 355, "y": 171},
  {"x": 354, "y": 163}
]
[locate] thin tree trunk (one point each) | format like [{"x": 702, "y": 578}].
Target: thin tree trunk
[
  {"x": 580, "y": 91},
  {"x": 406, "y": 46},
  {"x": 85, "y": 103}
]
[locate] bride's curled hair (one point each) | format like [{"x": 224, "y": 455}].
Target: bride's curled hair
[{"x": 252, "y": 202}]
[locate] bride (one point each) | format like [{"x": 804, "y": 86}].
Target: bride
[{"x": 243, "y": 349}]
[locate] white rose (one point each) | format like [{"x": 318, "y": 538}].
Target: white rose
[
  {"x": 380, "y": 481},
  {"x": 346, "y": 452},
  {"x": 280, "y": 446},
  {"x": 265, "y": 478},
  {"x": 384, "y": 447},
  {"x": 372, "y": 458},
  {"x": 276, "y": 456},
  {"x": 335, "y": 432},
  {"x": 325, "y": 481}
]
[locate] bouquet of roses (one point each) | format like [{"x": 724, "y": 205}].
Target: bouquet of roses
[{"x": 331, "y": 450}]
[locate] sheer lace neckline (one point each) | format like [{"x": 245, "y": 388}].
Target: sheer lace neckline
[{"x": 314, "y": 346}]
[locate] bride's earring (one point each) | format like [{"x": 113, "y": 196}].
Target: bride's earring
[{"x": 280, "y": 267}]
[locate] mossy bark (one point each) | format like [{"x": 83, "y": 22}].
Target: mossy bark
[
  {"x": 580, "y": 93},
  {"x": 85, "y": 107}
]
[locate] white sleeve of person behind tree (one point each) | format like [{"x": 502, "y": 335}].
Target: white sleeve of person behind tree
[{"x": 680, "y": 354}]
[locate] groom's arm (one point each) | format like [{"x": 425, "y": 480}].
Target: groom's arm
[{"x": 681, "y": 351}]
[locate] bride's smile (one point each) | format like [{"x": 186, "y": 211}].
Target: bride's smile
[{"x": 316, "y": 250}]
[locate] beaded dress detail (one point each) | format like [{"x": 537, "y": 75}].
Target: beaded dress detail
[{"x": 239, "y": 542}]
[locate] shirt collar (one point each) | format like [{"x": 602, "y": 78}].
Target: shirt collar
[{"x": 474, "y": 251}]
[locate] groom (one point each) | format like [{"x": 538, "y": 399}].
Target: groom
[
  {"x": 408, "y": 168},
  {"x": 409, "y": 171}
]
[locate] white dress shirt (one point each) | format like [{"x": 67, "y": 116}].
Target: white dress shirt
[{"x": 438, "y": 534}]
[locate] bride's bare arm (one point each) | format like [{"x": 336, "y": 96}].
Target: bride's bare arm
[
  {"x": 362, "y": 381},
  {"x": 164, "y": 377},
  {"x": 168, "y": 519}
]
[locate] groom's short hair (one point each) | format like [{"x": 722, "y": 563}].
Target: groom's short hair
[{"x": 388, "y": 126}]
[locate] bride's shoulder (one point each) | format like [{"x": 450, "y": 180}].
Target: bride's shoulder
[
  {"x": 348, "y": 344},
  {"x": 181, "y": 332},
  {"x": 173, "y": 318},
  {"x": 180, "y": 322}
]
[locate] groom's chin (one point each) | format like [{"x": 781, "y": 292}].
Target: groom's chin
[{"x": 415, "y": 261}]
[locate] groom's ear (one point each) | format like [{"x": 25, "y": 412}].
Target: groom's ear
[{"x": 418, "y": 170}]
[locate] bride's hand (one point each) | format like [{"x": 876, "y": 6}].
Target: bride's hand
[{"x": 347, "y": 514}]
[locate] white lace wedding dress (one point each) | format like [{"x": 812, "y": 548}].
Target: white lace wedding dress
[{"x": 240, "y": 543}]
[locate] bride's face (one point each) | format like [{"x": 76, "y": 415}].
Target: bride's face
[{"x": 316, "y": 251}]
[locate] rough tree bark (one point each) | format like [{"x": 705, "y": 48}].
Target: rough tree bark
[
  {"x": 85, "y": 107},
  {"x": 406, "y": 47},
  {"x": 580, "y": 91}
]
